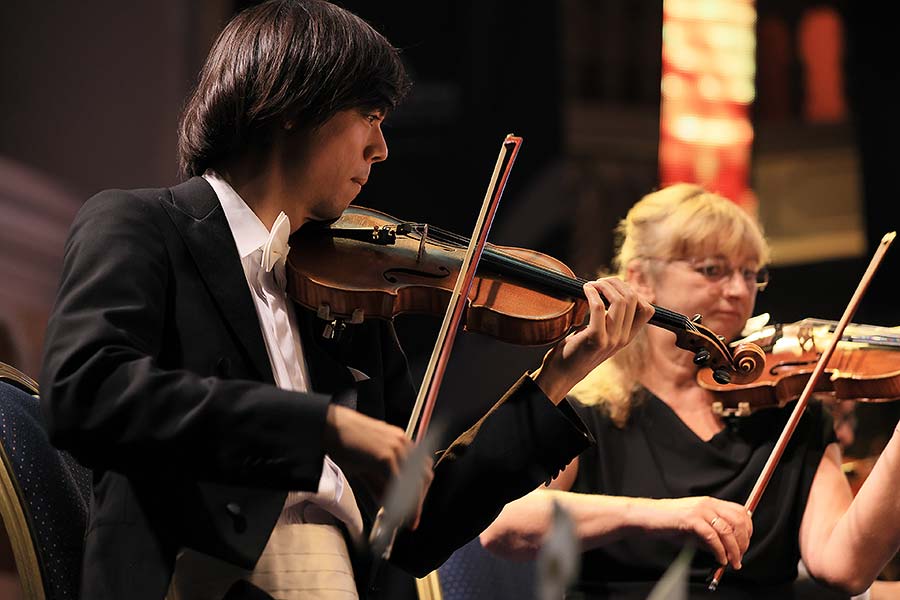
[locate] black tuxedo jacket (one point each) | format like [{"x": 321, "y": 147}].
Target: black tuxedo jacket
[{"x": 156, "y": 376}]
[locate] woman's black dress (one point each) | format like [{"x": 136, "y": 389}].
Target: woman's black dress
[{"x": 657, "y": 456}]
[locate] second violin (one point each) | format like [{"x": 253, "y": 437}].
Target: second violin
[{"x": 865, "y": 366}]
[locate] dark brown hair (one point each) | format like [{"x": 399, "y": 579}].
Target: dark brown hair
[{"x": 284, "y": 60}]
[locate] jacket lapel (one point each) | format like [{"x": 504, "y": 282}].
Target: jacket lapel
[{"x": 195, "y": 210}]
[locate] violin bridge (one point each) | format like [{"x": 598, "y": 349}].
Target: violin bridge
[
  {"x": 421, "y": 252},
  {"x": 421, "y": 229}
]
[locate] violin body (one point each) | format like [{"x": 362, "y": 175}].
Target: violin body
[
  {"x": 354, "y": 279},
  {"x": 865, "y": 366}
]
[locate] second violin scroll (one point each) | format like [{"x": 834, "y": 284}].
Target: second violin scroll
[{"x": 371, "y": 265}]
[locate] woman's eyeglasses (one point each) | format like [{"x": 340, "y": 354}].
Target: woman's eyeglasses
[{"x": 718, "y": 270}]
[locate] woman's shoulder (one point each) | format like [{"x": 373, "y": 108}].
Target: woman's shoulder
[{"x": 601, "y": 413}]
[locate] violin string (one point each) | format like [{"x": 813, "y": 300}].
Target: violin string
[
  {"x": 562, "y": 281},
  {"x": 870, "y": 335},
  {"x": 552, "y": 279}
]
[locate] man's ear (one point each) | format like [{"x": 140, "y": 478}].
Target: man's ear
[{"x": 639, "y": 279}]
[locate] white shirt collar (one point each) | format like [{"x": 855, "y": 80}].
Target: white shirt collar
[{"x": 249, "y": 232}]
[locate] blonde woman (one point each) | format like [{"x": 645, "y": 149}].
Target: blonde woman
[{"x": 666, "y": 470}]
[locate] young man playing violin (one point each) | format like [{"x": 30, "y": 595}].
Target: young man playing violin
[
  {"x": 234, "y": 449},
  {"x": 666, "y": 469}
]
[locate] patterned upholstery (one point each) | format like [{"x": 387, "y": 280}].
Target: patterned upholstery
[
  {"x": 53, "y": 492},
  {"x": 472, "y": 573}
]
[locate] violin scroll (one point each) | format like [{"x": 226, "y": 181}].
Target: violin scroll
[
  {"x": 750, "y": 361},
  {"x": 742, "y": 366}
]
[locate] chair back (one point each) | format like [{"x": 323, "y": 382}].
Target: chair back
[
  {"x": 44, "y": 499},
  {"x": 473, "y": 573}
]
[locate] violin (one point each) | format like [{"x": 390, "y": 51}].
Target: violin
[
  {"x": 369, "y": 264},
  {"x": 865, "y": 366}
]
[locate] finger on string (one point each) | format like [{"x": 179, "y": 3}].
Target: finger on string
[
  {"x": 597, "y": 320},
  {"x": 630, "y": 307},
  {"x": 615, "y": 313}
]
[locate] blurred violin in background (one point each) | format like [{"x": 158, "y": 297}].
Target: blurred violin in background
[{"x": 865, "y": 366}]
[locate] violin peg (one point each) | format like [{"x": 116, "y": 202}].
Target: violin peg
[
  {"x": 701, "y": 357},
  {"x": 722, "y": 376}
]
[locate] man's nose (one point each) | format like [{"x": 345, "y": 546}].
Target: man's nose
[{"x": 377, "y": 149}]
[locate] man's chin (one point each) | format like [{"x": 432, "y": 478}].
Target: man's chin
[{"x": 329, "y": 214}]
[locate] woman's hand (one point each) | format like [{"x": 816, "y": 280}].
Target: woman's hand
[
  {"x": 723, "y": 527},
  {"x": 608, "y": 331}
]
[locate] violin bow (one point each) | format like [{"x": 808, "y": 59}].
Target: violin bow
[
  {"x": 385, "y": 527},
  {"x": 794, "y": 419}
]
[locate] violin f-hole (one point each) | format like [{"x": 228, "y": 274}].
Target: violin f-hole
[
  {"x": 793, "y": 363},
  {"x": 391, "y": 275}
]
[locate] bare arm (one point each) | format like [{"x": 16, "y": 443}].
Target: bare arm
[
  {"x": 846, "y": 541},
  {"x": 723, "y": 527}
]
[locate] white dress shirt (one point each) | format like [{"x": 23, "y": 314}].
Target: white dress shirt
[{"x": 334, "y": 497}]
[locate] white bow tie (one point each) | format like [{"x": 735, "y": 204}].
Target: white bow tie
[{"x": 276, "y": 247}]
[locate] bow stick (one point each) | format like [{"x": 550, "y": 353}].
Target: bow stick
[
  {"x": 794, "y": 419},
  {"x": 386, "y": 524}
]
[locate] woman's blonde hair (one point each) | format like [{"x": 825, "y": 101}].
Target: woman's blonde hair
[{"x": 679, "y": 221}]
